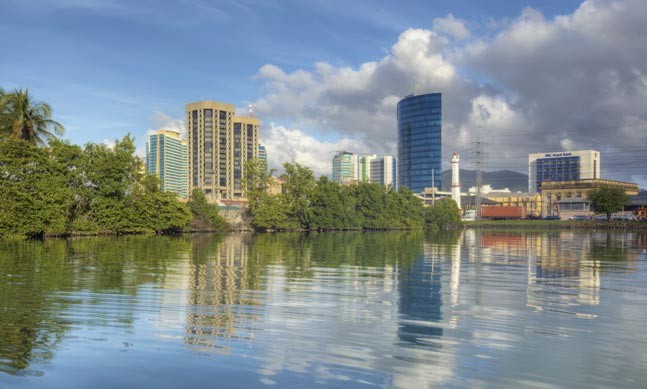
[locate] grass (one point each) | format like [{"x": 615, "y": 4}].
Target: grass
[{"x": 559, "y": 224}]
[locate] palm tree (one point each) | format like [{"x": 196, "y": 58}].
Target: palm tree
[{"x": 27, "y": 119}]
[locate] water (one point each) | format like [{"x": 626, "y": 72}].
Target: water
[{"x": 405, "y": 309}]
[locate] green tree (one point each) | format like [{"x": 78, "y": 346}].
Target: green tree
[
  {"x": 297, "y": 193},
  {"x": 267, "y": 212},
  {"x": 370, "y": 201},
  {"x": 443, "y": 214},
  {"x": 109, "y": 177},
  {"x": 272, "y": 214},
  {"x": 608, "y": 199},
  {"x": 26, "y": 119},
  {"x": 206, "y": 217},
  {"x": 333, "y": 206},
  {"x": 36, "y": 199}
]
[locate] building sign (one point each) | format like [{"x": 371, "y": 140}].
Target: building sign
[{"x": 550, "y": 155}]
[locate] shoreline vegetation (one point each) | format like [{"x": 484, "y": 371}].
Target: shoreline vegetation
[
  {"x": 68, "y": 190},
  {"x": 307, "y": 204},
  {"x": 51, "y": 188}
]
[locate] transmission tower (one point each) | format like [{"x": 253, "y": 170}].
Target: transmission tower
[{"x": 479, "y": 177}]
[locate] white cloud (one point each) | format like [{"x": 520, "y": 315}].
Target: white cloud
[
  {"x": 575, "y": 80},
  {"x": 163, "y": 121},
  {"x": 567, "y": 144},
  {"x": 355, "y": 105},
  {"x": 451, "y": 26},
  {"x": 293, "y": 145},
  {"x": 110, "y": 143}
]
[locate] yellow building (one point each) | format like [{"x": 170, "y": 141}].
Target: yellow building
[
  {"x": 220, "y": 143},
  {"x": 554, "y": 192},
  {"x": 531, "y": 202},
  {"x": 275, "y": 186}
]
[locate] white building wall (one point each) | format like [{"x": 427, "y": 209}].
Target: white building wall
[{"x": 589, "y": 165}]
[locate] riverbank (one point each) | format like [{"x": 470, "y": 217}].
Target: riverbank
[{"x": 558, "y": 224}]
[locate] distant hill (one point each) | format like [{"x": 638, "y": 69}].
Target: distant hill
[{"x": 515, "y": 181}]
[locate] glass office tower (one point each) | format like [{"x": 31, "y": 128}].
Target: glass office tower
[
  {"x": 166, "y": 158},
  {"x": 419, "y": 141}
]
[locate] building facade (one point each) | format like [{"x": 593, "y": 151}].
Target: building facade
[
  {"x": 531, "y": 202},
  {"x": 343, "y": 168},
  {"x": 562, "y": 166},
  {"x": 219, "y": 145},
  {"x": 419, "y": 141},
  {"x": 262, "y": 158},
  {"x": 349, "y": 168},
  {"x": 554, "y": 193},
  {"x": 363, "y": 167},
  {"x": 383, "y": 171},
  {"x": 166, "y": 158}
]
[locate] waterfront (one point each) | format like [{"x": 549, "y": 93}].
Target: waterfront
[{"x": 353, "y": 309}]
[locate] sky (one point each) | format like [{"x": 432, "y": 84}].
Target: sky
[{"x": 521, "y": 76}]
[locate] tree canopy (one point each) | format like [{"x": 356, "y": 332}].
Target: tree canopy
[
  {"x": 306, "y": 203},
  {"x": 66, "y": 189},
  {"x": 23, "y": 118},
  {"x": 608, "y": 200}
]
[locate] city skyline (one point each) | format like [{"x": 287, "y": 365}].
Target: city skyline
[{"x": 126, "y": 66}]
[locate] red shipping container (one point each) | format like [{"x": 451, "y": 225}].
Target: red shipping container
[{"x": 501, "y": 212}]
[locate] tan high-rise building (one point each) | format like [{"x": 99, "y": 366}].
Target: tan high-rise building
[{"x": 220, "y": 143}]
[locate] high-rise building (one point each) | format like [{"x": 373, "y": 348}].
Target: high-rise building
[
  {"x": 343, "y": 167},
  {"x": 562, "y": 166},
  {"x": 348, "y": 168},
  {"x": 383, "y": 171},
  {"x": 220, "y": 143},
  {"x": 419, "y": 141},
  {"x": 166, "y": 158},
  {"x": 363, "y": 167},
  {"x": 262, "y": 158}
]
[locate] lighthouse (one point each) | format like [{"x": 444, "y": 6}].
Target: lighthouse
[{"x": 456, "y": 186}]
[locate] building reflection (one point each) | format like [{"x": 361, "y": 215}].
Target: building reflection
[
  {"x": 571, "y": 260},
  {"x": 419, "y": 288},
  {"x": 220, "y": 307}
]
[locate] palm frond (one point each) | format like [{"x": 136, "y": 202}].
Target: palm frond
[{"x": 27, "y": 119}]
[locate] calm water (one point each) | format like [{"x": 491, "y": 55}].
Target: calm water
[{"x": 470, "y": 309}]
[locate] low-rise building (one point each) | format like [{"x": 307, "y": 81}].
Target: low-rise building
[
  {"x": 552, "y": 192},
  {"x": 530, "y": 202}
]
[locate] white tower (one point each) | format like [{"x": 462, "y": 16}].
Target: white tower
[{"x": 456, "y": 186}]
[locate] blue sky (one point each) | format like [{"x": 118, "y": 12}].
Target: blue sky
[
  {"x": 106, "y": 66},
  {"x": 110, "y": 67}
]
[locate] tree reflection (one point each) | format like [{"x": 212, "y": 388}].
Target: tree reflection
[{"x": 35, "y": 278}]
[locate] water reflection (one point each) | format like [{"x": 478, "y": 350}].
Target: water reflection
[{"x": 390, "y": 309}]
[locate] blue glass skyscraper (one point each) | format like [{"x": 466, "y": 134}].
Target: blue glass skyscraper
[{"x": 419, "y": 141}]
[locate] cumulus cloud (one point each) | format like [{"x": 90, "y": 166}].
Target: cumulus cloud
[
  {"x": 577, "y": 80},
  {"x": 293, "y": 145},
  {"x": 452, "y": 27},
  {"x": 163, "y": 121},
  {"x": 358, "y": 105}
]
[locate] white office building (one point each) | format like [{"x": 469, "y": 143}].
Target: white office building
[
  {"x": 562, "y": 166},
  {"x": 382, "y": 170}
]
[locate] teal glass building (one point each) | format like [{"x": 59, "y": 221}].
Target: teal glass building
[
  {"x": 419, "y": 141},
  {"x": 166, "y": 158}
]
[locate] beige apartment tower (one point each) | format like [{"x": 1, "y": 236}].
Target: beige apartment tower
[{"x": 220, "y": 143}]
